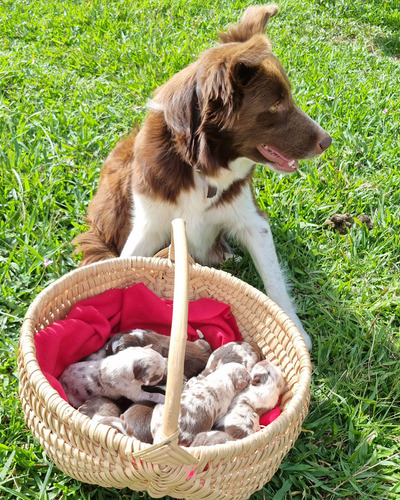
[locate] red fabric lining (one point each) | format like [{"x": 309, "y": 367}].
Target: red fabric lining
[{"x": 92, "y": 321}]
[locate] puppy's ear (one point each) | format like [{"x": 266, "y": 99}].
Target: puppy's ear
[
  {"x": 242, "y": 383},
  {"x": 256, "y": 380},
  {"x": 253, "y": 22},
  {"x": 241, "y": 380},
  {"x": 140, "y": 371}
]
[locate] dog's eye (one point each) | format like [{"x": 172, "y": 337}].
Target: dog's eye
[{"x": 274, "y": 107}]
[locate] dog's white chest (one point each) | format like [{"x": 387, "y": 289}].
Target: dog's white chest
[{"x": 206, "y": 219}]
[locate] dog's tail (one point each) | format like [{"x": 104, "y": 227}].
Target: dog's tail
[
  {"x": 93, "y": 247},
  {"x": 110, "y": 211}
]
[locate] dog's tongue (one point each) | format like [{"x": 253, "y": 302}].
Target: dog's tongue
[{"x": 280, "y": 161}]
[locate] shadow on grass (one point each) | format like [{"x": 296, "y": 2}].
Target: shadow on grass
[{"x": 389, "y": 45}]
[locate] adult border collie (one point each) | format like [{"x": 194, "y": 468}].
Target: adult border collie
[{"x": 194, "y": 158}]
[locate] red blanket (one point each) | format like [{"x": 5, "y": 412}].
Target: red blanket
[{"x": 92, "y": 321}]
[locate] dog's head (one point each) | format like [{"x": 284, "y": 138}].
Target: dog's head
[
  {"x": 235, "y": 101},
  {"x": 266, "y": 374}
]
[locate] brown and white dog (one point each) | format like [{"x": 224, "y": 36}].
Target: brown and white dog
[{"x": 195, "y": 154}]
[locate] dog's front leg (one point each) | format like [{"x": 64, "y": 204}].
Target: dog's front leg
[
  {"x": 142, "y": 242},
  {"x": 151, "y": 228},
  {"x": 253, "y": 231}
]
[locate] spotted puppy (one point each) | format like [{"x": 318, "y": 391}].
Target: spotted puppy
[
  {"x": 245, "y": 353},
  {"x": 121, "y": 374},
  {"x": 196, "y": 353},
  {"x": 261, "y": 395},
  {"x": 206, "y": 400}
]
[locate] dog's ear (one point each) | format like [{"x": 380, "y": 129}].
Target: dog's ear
[
  {"x": 220, "y": 91},
  {"x": 245, "y": 63},
  {"x": 177, "y": 100},
  {"x": 217, "y": 88},
  {"x": 241, "y": 384},
  {"x": 253, "y": 22},
  {"x": 203, "y": 98}
]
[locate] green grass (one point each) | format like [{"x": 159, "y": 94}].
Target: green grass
[{"x": 75, "y": 77}]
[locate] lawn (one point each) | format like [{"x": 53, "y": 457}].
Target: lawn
[{"x": 75, "y": 77}]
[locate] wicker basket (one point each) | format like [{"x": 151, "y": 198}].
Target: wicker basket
[{"x": 98, "y": 454}]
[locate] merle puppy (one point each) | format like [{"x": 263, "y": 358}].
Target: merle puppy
[{"x": 119, "y": 375}]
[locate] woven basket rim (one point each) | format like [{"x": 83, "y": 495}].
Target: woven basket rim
[{"x": 130, "y": 444}]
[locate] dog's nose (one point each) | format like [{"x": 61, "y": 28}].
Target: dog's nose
[{"x": 325, "y": 143}]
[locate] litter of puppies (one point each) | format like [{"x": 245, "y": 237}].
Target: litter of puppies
[{"x": 224, "y": 393}]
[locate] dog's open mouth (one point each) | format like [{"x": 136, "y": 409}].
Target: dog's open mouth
[{"x": 279, "y": 160}]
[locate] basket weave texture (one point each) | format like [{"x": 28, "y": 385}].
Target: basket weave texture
[{"x": 97, "y": 454}]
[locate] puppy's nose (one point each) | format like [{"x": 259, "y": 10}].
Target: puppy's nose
[{"x": 325, "y": 143}]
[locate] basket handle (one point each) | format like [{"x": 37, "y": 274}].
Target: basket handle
[
  {"x": 176, "y": 357},
  {"x": 169, "y": 253}
]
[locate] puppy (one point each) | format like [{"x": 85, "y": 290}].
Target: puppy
[
  {"x": 206, "y": 400},
  {"x": 196, "y": 353},
  {"x": 245, "y": 353},
  {"x": 99, "y": 407},
  {"x": 195, "y": 155},
  {"x": 137, "y": 420},
  {"x": 121, "y": 374},
  {"x": 262, "y": 394},
  {"x": 210, "y": 438}
]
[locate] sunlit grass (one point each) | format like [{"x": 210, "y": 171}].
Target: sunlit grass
[{"x": 75, "y": 77}]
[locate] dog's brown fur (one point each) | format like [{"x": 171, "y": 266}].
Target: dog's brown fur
[
  {"x": 215, "y": 110},
  {"x": 109, "y": 214},
  {"x": 194, "y": 158}
]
